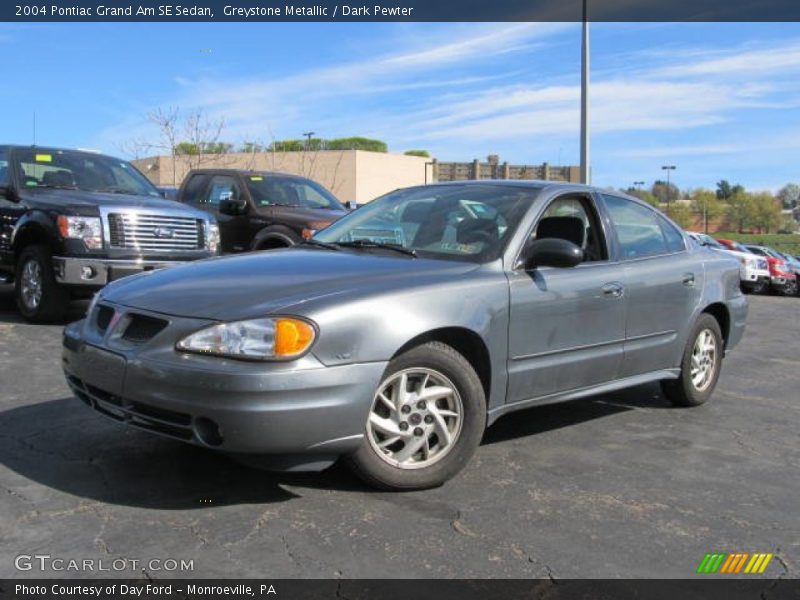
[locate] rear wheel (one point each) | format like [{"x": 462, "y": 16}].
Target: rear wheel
[
  {"x": 427, "y": 417},
  {"x": 700, "y": 366},
  {"x": 39, "y": 297}
]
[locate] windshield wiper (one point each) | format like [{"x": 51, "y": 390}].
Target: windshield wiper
[
  {"x": 55, "y": 187},
  {"x": 319, "y": 244},
  {"x": 369, "y": 244},
  {"x": 115, "y": 190}
]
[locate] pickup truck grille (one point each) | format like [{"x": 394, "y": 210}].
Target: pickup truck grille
[
  {"x": 137, "y": 231},
  {"x": 763, "y": 264}
]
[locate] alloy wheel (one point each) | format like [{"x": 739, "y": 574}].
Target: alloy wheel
[
  {"x": 416, "y": 418},
  {"x": 31, "y": 284},
  {"x": 704, "y": 360}
]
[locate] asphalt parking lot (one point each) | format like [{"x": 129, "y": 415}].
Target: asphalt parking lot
[{"x": 620, "y": 485}]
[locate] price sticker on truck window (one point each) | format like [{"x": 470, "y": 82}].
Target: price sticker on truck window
[
  {"x": 256, "y": 178},
  {"x": 44, "y": 158}
]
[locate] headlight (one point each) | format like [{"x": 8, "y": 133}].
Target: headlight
[
  {"x": 88, "y": 229},
  {"x": 278, "y": 338},
  {"x": 212, "y": 236}
]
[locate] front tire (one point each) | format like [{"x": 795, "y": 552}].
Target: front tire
[
  {"x": 790, "y": 289},
  {"x": 39, "y": 297},
  {"x": 426, "y": 419},
  {"x": 700, "y": 366}
]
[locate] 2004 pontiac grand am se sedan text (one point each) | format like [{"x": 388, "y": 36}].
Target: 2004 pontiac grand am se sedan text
[{"x": 394, "y": 337}]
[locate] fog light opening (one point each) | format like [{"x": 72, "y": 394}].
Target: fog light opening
[
  {"x": 88, "y": 273},
  {"x": 207, "y": 431}
]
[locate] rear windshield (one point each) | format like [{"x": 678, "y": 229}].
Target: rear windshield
[{"x": 38, "y": 168}]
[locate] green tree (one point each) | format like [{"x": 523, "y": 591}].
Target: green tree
[
  {"x": 664, "y": 193},
  {"x": 741, "y": 210},
  {"x": 422, "y": 153},
  {"x": 766, "y": 212},
  {"x": 789, "y": 195},
  {"x": 681, "y": 213},
  {"x": 186, "y": 149},
  {"x": 357, "y": 143},
  {"x": 707, "y": 205},
  {"x": 287, "y": 146}
]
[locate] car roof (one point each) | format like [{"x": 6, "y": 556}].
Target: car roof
[{"x": 54, "y": 149}]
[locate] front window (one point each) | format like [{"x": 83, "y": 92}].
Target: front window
[
  {"x": 40, "y": 168},
  {"x": 272, "y": 190},
  {"x": 453, "y": 222}
]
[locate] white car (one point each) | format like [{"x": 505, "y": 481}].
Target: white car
[{"x": 753, "y": 269}]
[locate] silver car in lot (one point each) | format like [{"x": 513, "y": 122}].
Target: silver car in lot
[{"x": 394, "y": 337}]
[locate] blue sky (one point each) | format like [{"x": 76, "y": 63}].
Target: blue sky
[{"x": 717, "y": 100}]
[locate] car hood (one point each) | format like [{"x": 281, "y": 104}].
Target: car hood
[
  {"x": 252, "y": 285},
  {"x": 82, "y": 200}
]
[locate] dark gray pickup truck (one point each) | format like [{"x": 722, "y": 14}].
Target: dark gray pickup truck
[{"x": 72, "y": 221}]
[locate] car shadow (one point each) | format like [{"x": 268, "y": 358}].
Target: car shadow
[
  {"x": 63, "y": 445},
  {"x": 10, "y": 314}
]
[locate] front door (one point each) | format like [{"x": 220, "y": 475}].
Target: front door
[
  {"x": 234, "y": 230},
  {"x": 567, "y": 325}
]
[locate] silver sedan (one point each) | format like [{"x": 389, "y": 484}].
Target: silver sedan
[{"x": 394, "y": 337}]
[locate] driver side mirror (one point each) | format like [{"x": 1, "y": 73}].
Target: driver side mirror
[
  {"x": 552, "y": 252},
  {"x": 233, "y": 206}
]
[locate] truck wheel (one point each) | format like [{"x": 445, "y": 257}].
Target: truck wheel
[
  {"x": 700, "y": 366},
  {"x": 39, "y": 298},
  {"x": 426, "y": 420},
  {"x": 790, "y": 289},
  {"x": 758, "y": 287}
]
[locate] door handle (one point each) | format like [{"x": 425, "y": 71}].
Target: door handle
[
  {"x": 688, "y": 279},
  {"x": 615, "y": 290}
]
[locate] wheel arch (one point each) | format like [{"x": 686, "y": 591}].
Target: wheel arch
[
  {"x": 720, "y": 312},
  {"x": 273, "y": 237},
  {"x": 466, "y": 342},
  {"x": 31, "y": 232}
]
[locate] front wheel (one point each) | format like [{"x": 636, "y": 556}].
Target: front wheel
[
  {"x": 426, "y": 420},
  {"x": 39, "y": 297},
  {"x": 700, "y": 366},
  {"x": 790, "y": 289}
]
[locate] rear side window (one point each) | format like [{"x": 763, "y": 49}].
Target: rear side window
[
  {"x": 194, "y": 188},
  {"x": 673, "y": 236},
  {"x": 638, "y": 227}
]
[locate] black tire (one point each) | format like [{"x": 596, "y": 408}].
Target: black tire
[
  {"x": 790, "y": 289},
  {"x": 759, "y": 287},
  {"x": 683, "y": 391},
  {"x": 446, "y": 361},
  {"x": 53, "y": 302}
]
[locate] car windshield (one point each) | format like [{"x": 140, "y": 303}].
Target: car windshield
[
  {"x": 38, "y": 168},
  {"x": 272, "y": 190},
  {"x": 453, "y": 222}
]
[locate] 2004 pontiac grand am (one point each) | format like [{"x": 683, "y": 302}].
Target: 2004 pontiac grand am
[{"x": 394, "y": 337}]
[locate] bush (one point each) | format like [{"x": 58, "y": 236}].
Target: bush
[{"x": 421, "y": 153}]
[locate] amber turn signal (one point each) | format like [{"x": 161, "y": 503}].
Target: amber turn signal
[{"x": 292, "y": 337}]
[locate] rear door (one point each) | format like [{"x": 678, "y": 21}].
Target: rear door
[
  {"x": 664, "y": 284},
  {"x": 567, "y": 325}
]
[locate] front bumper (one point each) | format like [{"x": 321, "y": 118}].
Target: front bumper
[
  {"x": 297, "y": 408},
  {"x": 100, "y": 271}
]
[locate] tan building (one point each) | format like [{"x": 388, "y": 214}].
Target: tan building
[
  {"x": 350, "y": 174},
  {"x": 355, "y": 175}
]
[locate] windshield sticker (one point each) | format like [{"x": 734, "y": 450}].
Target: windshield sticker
[
  {"x": 256, "y": 178},
  {"x": 44, "y": 158}
]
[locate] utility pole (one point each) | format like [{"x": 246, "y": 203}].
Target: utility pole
[
  {"x": 638, "y": 185},
  {"x": 668, "y": 168},
  {"x": 585, "y": 169},
  {"x": 308, "y": 135}
]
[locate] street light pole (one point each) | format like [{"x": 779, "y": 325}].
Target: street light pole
[
  {"x": 308, "y": 135},
  {"x": 638, "y": 185},
  {"x": 585, "y": 172},
  {"x": 668, "y": 168}
]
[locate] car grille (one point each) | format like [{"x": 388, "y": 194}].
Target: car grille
[
  {"x": 142, "y": 328},
  {"x": 138, "y": 231},
  {"x": 166, "y": 422}
]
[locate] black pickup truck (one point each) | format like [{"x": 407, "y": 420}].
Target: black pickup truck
[
  {"x": 71, "y": 221},
  {"x": 260, "y": 210}
]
